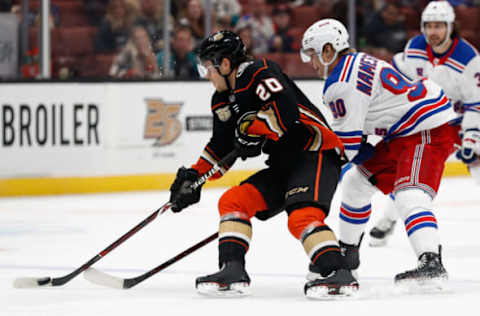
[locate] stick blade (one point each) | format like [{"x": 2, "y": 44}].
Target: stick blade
[
  {"x": 101, "y": 278},
  {"x": 27, "y": 282}
]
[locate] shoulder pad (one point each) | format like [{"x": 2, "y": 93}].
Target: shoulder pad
[
  {"x": 342, "y": 71},
  {"x": 417, "y": 42},
  {"x": 247, "y": 73},
  {"x": 464, "y": 52}
]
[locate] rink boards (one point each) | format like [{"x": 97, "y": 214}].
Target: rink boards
[{"x": 59, "y": 138}]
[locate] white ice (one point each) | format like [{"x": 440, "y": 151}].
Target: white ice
[{"x": 52, "y": 236}]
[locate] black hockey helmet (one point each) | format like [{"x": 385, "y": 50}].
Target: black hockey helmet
[{"x": 222, "y": 44}]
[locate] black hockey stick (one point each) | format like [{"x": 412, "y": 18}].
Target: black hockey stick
[
  {"x": 101, "y": 278},
  {"x": 29, "y": 282}
]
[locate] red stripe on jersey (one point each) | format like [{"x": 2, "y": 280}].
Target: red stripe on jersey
[
  {"x": 214, "y": 107},
  {"x": 420, "y": 112}
]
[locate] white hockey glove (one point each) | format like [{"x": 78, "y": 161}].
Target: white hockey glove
[{"x": 470, "y": 146}]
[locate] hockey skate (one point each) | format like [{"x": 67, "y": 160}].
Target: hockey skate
[
  {"x": 351, "y": 257},
  {"x": 231, "y": 281},
  {"x": 338, "y": 284},
  {"x": 429, "y": 274},
  {"x": 381, "y": 232}
]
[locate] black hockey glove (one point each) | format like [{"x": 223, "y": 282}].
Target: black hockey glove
[
  {"x": 365, "y": 152},
  {"x": 181, "y": 194},
  {"x": 248, "y": 145}
]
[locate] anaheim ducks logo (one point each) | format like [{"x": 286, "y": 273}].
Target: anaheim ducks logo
[
  {"x": 224, "y": 113},
  {"x": 162, "y": 122}
]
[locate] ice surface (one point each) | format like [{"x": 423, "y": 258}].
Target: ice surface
[{"x": 52, "y": 236}]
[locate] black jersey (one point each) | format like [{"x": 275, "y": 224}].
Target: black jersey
[{"x": 283, "y": 114}]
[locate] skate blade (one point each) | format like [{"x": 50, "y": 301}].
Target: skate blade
[
  {"x": 213, "y": 289},
  {"x": 323, "y": 292},
  {"x": 311, "y": 276},
  {"x": 423, "y": 285}
]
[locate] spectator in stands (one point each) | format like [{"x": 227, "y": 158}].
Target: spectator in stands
[
  {"x": 282, "y": 41},
  {"x": 386, "y": 30},
  {"x": 261, "y": 23},
  {"x": 152, "y": 19},
  {"x": 227, "y": 12},
  {"x": 95, "y": 10},
  {"x": 136, "y": 59},
  {"x": 182, "y": 62},
  {"x": 245, "y": 34},
  {"x": 194, "y": 17},
  {"x": 114, "y": 30}
]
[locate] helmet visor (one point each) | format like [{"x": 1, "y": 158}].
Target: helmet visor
[
  {"x": 203, "y": 67},
  {"x": 307, "y": 54}
]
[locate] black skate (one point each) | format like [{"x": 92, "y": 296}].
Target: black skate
[
  {"x": 339, "y": 283},
  {"x": 381, "y": 232},
  {"x": 351, "y": 261},
  {"x": 429, "y": 273},
  {"x": 232, "y": 280},
  {"x": 351, "y": 255}
]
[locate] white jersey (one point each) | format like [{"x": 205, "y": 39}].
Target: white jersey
[
  {"x": 367, "y": 96},
  {"x": 457, "y": 72}
]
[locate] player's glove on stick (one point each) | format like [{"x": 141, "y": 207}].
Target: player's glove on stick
[
  {"x": 181, "y": 193},
  {"x": 247, "y": 145},
  {"x": 470, "y": 144}
]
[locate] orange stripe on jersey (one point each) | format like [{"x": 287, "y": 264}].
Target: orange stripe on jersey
[
  {"x": 319, "y": 173},
  {"x": 259, "y": 127},
  {"x": 211, "y": 152},
  {"x": 253, "y": 77},
  {"x": 202, "y": 165},
  {"x": 215, "y": 106}
]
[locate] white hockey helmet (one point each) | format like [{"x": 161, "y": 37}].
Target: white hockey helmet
[
  {"x": 438, "y": 11},
  {"x": 325, "y": 31}
]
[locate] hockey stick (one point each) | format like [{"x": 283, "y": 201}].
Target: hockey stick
[
  {"x": 29, "y": 282},
  {"x": 101, "y": 278}
]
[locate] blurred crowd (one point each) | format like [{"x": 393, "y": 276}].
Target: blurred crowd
[{"x": 125, "y": 38}]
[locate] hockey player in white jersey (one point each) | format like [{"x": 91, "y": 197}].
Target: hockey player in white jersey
[
  {"x": 453, "y": 63},
  {"x": 367, "y": 96}
]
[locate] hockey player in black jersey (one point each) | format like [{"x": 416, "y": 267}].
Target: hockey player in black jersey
[{"x": 256, "y": 108}]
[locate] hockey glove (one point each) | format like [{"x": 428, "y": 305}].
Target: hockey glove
[
  {"x": 247, "y": 145},
  {"x": 470, "y": 146},
  {"x": 365, "y": 152},
  {"x": 181, "y": 194}
]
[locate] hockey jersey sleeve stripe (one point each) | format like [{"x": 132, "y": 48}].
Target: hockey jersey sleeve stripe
[
  {"x": 209, "y": 151},
  {"x": 418, "y": 114},
  {"x": 475, "y": 107},
  {"x": 253, "y": 77},
  {"x": 349, "y": 133}
]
